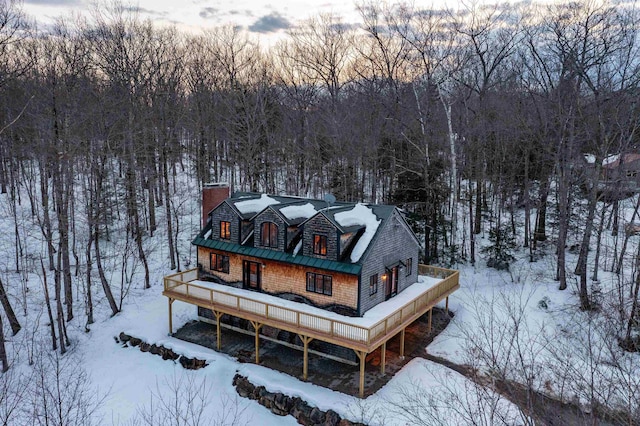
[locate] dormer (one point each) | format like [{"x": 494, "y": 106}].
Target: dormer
[
  {"x": 269, "y": 230},
  {"x": 225, "y": 223},
  {"x": 320, "y": 238}
]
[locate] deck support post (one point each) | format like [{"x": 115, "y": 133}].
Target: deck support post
[
  {"x": 446, "y": 306},
  {"x": 430, "y": 315},
  {"x": 305, "y": 365},
  {"x": 363, "y": 359},
  {"x": 218, "y": 329},
  {"x": 257, "y": 326},
  {"x": 170, "y": 317},
  {"x": 383, "y": 356},
  {"x": 402, "y": 343}
]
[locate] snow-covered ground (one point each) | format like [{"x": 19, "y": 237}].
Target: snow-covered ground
[{"x": 516, "y": 323}]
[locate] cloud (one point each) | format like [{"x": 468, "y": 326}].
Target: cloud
[
  {"x": 53, "y": 2},
  {"x": 270, "y": 23},
  {"x": 138, "y": 9},
  {"x": 208, "y": 13}
]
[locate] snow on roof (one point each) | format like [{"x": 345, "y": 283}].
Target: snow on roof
[
  {"x": 590, "y": 158},
  {"x": 296, "y": 250},
  {"x": 360, "y": 215},
  {"x": 610, "y": 159},
  {"x": 255, "y": 204},
  {"x": 295, "y": 212}
]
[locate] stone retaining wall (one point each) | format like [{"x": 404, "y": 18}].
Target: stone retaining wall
[
  {"x": 283, "y": 405},
  {"x": 165, "y": 353}
]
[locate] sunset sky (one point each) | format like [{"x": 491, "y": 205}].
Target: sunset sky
[{"x": 264, "y": 18}]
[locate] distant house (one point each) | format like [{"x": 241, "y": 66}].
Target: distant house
[
  {"x": 619, "y": 175},
  {"x": 337, "y": 279},
  {"x": 345, "y": 257}
]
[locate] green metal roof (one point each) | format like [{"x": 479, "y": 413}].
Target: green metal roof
[{"x": 312, "y": 262}]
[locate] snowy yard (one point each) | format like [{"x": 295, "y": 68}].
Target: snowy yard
[{"x": 512, "y": 324}]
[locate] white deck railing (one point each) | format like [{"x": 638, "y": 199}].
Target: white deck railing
[{"x": 180, "y": 284}]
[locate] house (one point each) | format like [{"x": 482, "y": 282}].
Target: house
[
  {"x": 345, "y": 257},
  {"x": 331, "y": 278},
  {"x": 618, "y": 176}
]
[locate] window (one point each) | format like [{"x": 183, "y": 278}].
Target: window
[
  {"x": 373, "y": 284},
  {"x": 220, "y": 263},
  {"x": 409, "y": 266},
  {"x": 318, "y": 283},
  {"x": 225, "y": 230},
  {"x": 320, "y": 245},
  {"x": 269, "y": 235}
]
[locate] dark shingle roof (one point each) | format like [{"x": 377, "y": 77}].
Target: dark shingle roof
[{"x": 382, "y": 213}]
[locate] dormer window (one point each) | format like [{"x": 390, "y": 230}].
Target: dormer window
[
  {"x": 320, "y": 245},
  {"x": 225, "y": 230},
  {"x": 269, "y": 234}
]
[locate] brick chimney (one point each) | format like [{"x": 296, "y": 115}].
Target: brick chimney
[{"x": 212, "y": 195}]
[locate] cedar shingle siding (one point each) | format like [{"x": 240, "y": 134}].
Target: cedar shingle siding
[{"x": 393, "y": 243}]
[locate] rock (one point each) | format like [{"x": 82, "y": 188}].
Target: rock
[
  {"x": 144, "y": 347},
  {"x": 278, "y": 412},
  {"x": 236, "y": 379},
  {"x": 134, "y": 341},
  {"x": 124, "y": 337},
  {"x": 266, "y": 401},
  {"x": 300, "y": 410},
  {"x": 283, "y": 402},
  {"x": 185, "y": 362},
  {"x": 345, "y": 422},
  {"x": 259, "y": 392},
  {"x": 332, "y": 418},
  {"x": 317, "y": 416},
  {"x": 244, "y": 387},
  {"x": 199, "y": 363},
  {"x": 155, "y": 349},
  {"x": 304, "y": 420}
]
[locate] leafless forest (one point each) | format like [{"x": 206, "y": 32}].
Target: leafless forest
[{"x": 470, "y": 120}]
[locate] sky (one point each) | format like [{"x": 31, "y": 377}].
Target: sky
[{"x": 265, "y": 19}]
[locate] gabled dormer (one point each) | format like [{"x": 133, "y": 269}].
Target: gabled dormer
[
  {"x": 320, "y": 238},
  {"x": 269, "y": 230},
  {"x": 225, "y": 223}
]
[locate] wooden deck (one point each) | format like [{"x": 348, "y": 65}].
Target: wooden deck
[{"x": 362, "y": 339}]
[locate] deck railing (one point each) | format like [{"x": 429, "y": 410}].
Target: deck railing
[{"x": 181, "y": 284}]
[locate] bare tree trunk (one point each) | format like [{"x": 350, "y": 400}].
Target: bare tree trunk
[
  {"x": 59, "y": 309},
  {"x": 103, "y": 278},
  {"x": 54, "y": 343},
  {"x": 13, "y": 320},
  {"x": 599, "y": 243},
  {"x": 167, "y": 202},
  {"x": 472, "y": 235},
  {"x": 61, "y": 194},
  {"x": 540, "y": 232},
  {"x": 3, "y": 350},
  {"x": 477, "y": 227},
  {"x": 46, "y": 219},
  {"x": 581, "y": 267},
  {"x": 563, "y": 227},
  {"x": 89, "y": 268}
]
